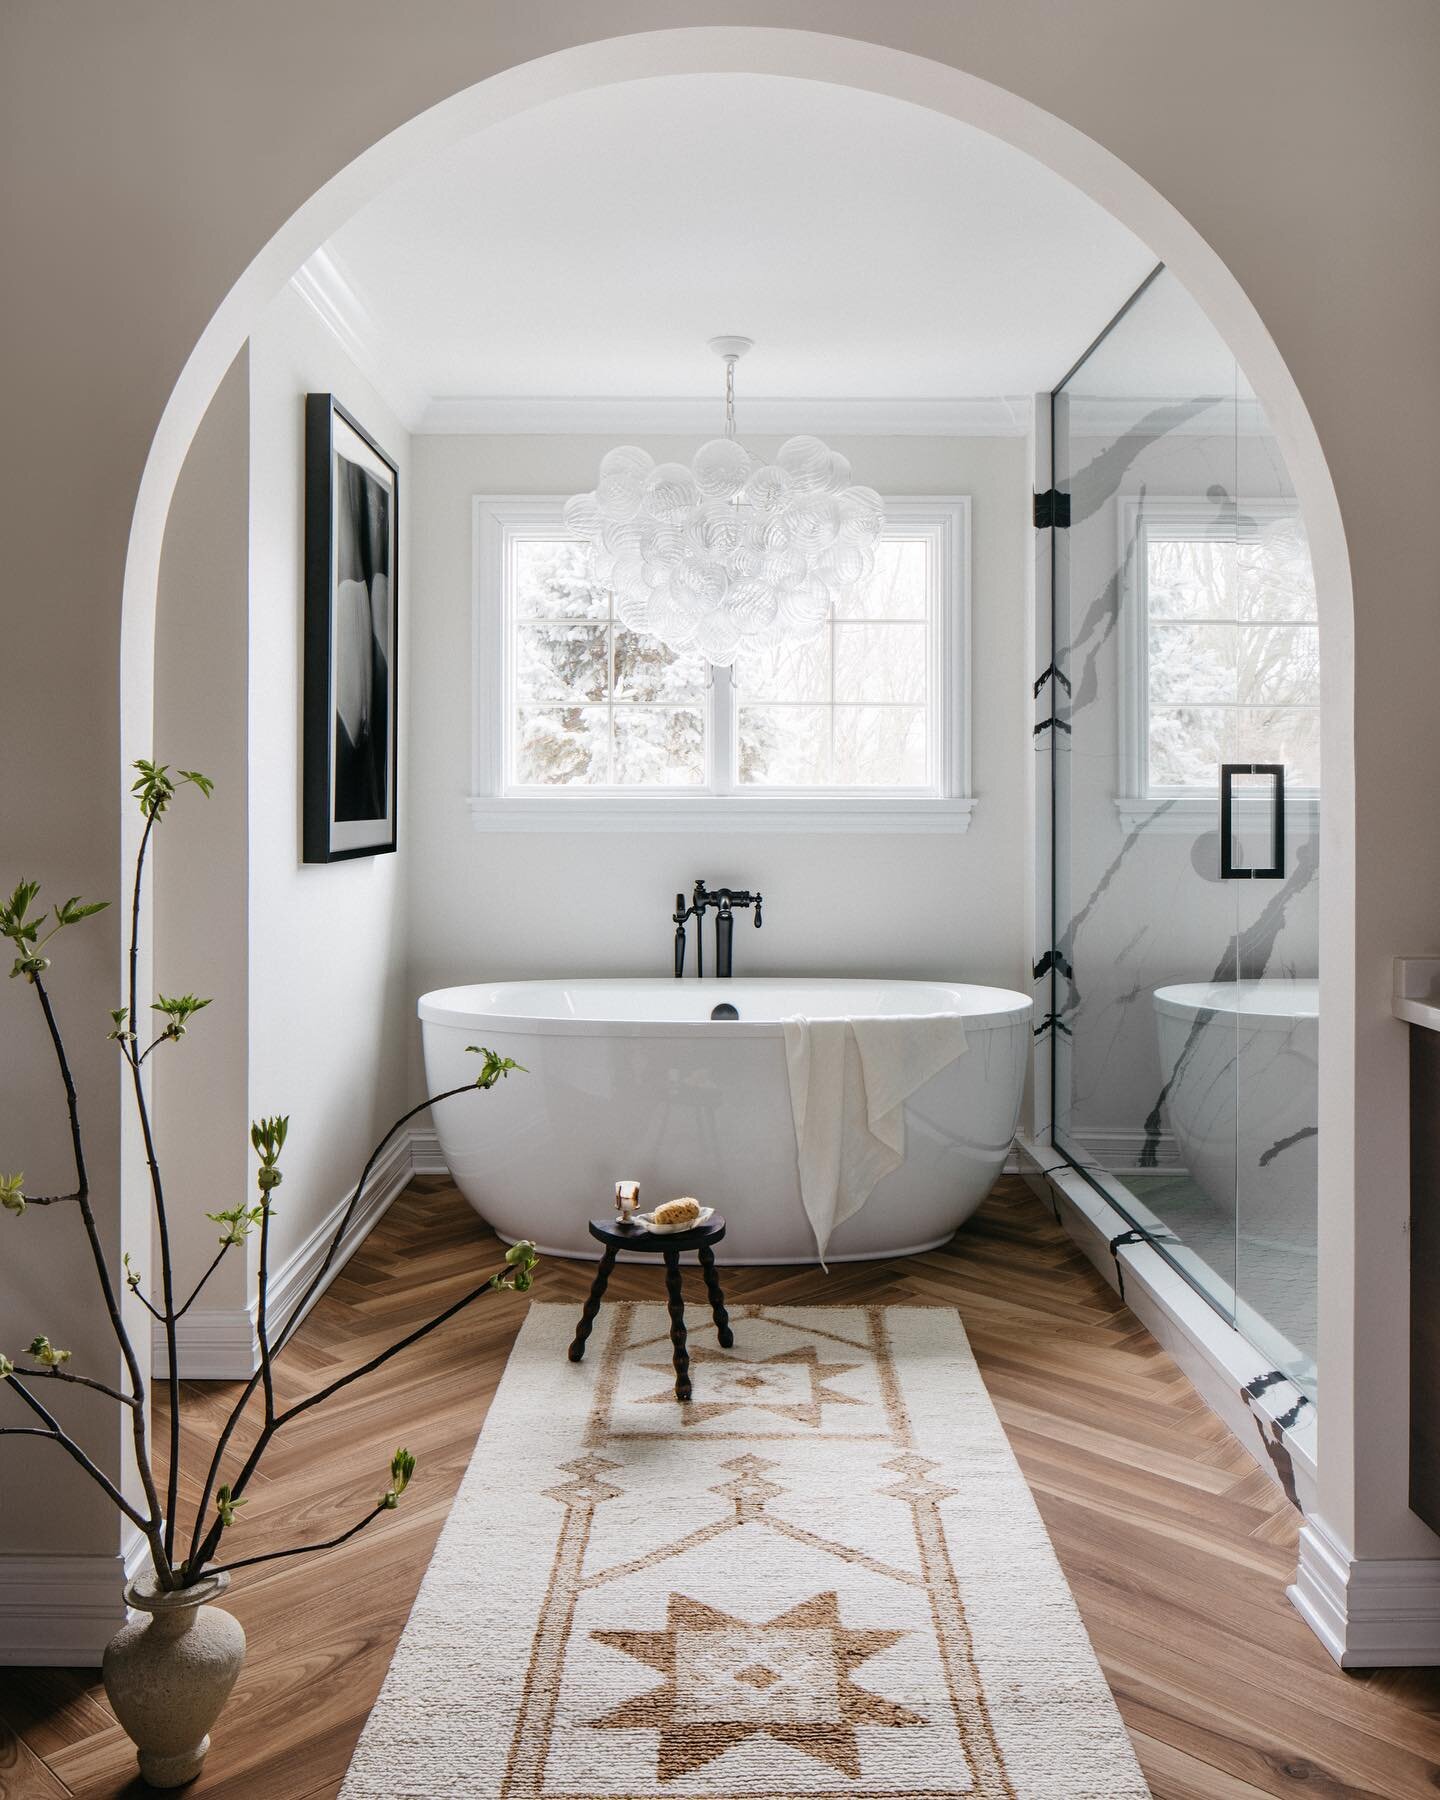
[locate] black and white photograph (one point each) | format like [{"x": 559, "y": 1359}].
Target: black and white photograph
[{"x": 351, "y": 615}]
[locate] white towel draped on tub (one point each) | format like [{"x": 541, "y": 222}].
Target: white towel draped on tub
[{"x": 849, "y": 1081}]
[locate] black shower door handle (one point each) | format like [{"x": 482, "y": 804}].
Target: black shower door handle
[{"x": 1228, "y": 869}]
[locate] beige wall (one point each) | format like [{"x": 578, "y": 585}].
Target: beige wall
[{"x": 152, "y": 152}]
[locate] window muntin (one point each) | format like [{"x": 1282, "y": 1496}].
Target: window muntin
[
  {"x": 1229, "y": 648},
  {"x": 591, "y": 702},
  {"x": 855, "y": 706}
]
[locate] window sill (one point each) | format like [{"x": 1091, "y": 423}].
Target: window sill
[
  {"x": 1190, "y": 814},
  {"x": 879, "y": 812}
]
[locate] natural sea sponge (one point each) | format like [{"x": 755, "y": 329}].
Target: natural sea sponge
[{"x": 677, "y": 1212}]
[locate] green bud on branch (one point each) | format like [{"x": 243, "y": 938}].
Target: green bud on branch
[
  {"x": 496, "y": 1067},
  {"x": 156, "y": 787},
  {"x": 402, "y": 1467},
  {"x": 12, "y": 1196},
  {"x": 268, "y": 1137},
  {"x": 50, "y": 1354},
  {"x": 520, "y": 1261},
  {"x": 179, "y": 1010},
  {"x": 239, "y": 1221},
  {"x": 7, "y": 1368},
  {"x": 226, "y": 1507},
  {"x": 24, "y": 931}
]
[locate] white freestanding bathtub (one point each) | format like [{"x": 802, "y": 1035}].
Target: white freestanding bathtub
[
  {"x": 1241, "y": 1059},
  {"x": 632, "y": 1079}
]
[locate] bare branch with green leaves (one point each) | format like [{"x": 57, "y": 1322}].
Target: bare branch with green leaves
[{"x": 30, "y": 932}]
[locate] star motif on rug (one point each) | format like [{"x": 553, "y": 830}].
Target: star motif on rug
[
  {"x": 790, "y": 1384},
  {"x": 728, "y": 1680}
]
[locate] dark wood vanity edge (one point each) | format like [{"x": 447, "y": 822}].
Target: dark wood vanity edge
[{"x": 1425, "y": 1274}]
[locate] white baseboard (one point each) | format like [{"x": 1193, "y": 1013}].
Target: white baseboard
[
  {"x": 1380, "y": 1613},
  {"x": 219, "y": 1344},
  {"x": 425, "y": 1153},
  {"x": 215, "y": 1344},
  {"x": 59, "y": 1612},
  {"x": 1129, "y": 1149}
]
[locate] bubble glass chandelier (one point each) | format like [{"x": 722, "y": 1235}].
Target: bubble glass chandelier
[{"x": 728, "y": 551}]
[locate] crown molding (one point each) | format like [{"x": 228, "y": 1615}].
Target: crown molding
[
  {"x": 521, "y": 415},
  {"x": 323, "y": 282},
  {"x": 326, "y": 286}
]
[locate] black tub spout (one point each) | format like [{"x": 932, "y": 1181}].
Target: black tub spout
[{"x": 724, "y": 940}]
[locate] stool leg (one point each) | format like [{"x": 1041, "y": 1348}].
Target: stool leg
[
  {"x": 592, "y": 1305},
  {"x": 676, "y": 1300},
  {"x": 717, "y": 1297}
]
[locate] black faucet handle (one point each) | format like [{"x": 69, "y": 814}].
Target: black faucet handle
[{"x": 758, "y": 899}]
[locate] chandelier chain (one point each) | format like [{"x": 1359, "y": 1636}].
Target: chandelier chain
[{"x": 730, "y": 397}]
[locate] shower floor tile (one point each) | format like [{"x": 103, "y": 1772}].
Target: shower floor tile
[{"x": 1276, "y": 1282}]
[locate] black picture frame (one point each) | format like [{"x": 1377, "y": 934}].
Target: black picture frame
[{"x": 350, "y": 761}]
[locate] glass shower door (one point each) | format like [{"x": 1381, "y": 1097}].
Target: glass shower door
[
  {"x": 1146, "y": 933},
  {"x": 1185, "y": 725}
]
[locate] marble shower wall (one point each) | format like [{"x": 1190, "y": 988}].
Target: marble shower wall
[{"x": 1146, "y": 905}]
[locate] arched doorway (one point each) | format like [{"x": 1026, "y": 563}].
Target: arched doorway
[{"x": 948, "y": 91}]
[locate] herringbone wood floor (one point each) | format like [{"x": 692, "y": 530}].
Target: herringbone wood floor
[{"x": 1177, "y": 1548}]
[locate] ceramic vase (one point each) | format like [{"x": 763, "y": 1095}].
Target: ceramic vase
[{"x": 169, "y": 1673}]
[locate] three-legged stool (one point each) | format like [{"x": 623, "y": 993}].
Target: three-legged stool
[{"x": 668, "y": 1244}]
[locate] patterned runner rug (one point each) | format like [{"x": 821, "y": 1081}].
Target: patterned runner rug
[{"x": 823, "y": 1577}]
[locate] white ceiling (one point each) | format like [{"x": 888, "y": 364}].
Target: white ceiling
[{"x": 587, "y": 249}]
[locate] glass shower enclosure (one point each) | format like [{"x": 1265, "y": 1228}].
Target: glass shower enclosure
[{"x": 1185, "y": 784}]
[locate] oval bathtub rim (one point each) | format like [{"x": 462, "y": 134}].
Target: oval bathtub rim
[{"x": 435, "y": 1009}]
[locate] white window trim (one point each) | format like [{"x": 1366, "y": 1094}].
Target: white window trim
[
  {"x": 493, "y": 807},
  {"x": 1186, "y": 811}
]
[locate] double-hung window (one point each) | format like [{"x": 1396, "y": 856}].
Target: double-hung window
[
  {"x": 585, "y": 724},
  {"x": 1220, "y": 653}
]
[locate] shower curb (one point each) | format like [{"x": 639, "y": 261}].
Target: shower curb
[{"x": 1271, "y": 1417}]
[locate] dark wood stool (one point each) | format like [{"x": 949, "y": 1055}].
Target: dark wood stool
[{"x": 668, "y": 1244}]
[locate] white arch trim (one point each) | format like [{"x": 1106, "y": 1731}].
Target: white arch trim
[{"x": 1096, "y": 172}]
